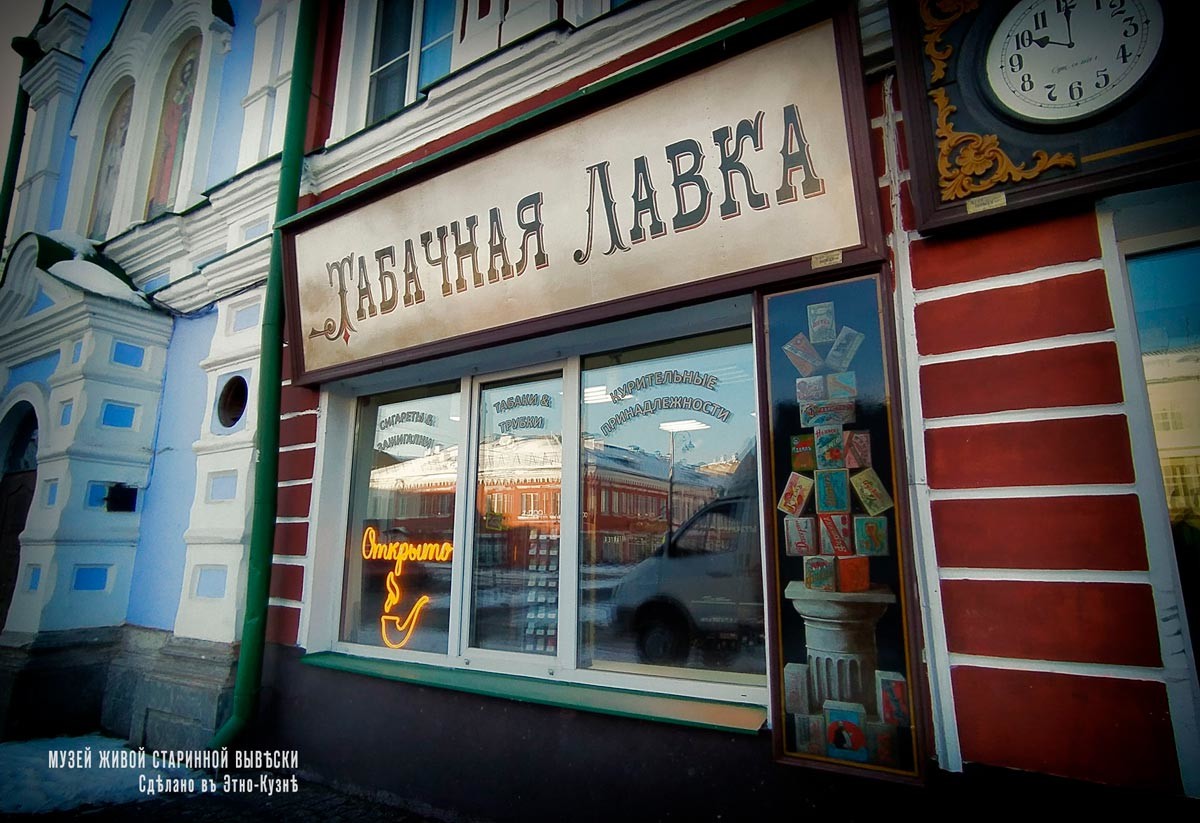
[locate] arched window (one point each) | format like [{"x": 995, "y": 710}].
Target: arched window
[
  {"x": 172, "y": 129},
  {"x": 110, "y": 166}
]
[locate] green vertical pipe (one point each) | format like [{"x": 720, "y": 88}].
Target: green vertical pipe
[
  {"x": 30, "y": 53},
  {"x": 266, "y": 471}
]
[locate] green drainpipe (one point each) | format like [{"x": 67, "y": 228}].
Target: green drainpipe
[
  {"x": 30, "y": 53},
  {"x": 266, "y": 471}
]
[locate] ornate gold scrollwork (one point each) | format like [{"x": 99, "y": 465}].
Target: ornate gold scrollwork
[
  {"x": 935, "y": 27},
  {"x": 969, "y": 163},
  {"x": 972, "y": 163}
]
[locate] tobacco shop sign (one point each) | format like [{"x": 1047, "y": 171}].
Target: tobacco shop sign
[{"x": 741, "y": 165}]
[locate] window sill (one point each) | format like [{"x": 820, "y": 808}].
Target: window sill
[{"x": 685, "y": 711}]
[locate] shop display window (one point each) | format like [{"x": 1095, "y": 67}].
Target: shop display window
[
  {"x": 843, "y": 668},
  {"x": 516, "y": 558},
  {"x": 672, "y": 575},
  {"x": 594, "y": 521},
  {"x": 398, "y": 578}
]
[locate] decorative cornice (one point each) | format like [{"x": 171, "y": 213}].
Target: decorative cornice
[{"x": 56, "y": 73}]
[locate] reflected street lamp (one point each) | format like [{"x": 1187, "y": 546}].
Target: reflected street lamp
[{"x": 673, "y": 428}]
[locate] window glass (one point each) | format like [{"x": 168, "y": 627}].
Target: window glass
[
  {"x": 670, "y": 573},
  {"x": 1166, "y": 298},
  {"x": 393, "y": 31},
  {"x": 436, "y": 27},
  {"x": 401, "y": 542},
  {"x": 394, "y": 63},
  {"x": 518, "y": 482}
]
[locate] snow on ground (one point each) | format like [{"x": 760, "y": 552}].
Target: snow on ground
[{"x": 28, "y": 784}]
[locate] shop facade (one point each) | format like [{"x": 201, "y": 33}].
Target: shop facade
[{"x": 676, "y": 417}]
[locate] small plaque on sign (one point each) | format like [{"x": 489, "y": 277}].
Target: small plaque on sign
[
  {"x": 987, "y": 202},
  {"x": 828, "y": 258}
]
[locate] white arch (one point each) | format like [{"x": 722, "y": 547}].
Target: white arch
[{"x": 145, "y": 59}]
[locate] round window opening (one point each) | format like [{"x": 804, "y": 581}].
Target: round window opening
[{"x": 231, "y": 405}]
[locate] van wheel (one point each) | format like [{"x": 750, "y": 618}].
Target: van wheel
[{"x": 662, "y": 639}]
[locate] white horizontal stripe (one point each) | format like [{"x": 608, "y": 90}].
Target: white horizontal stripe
[
  {"x": 1044, "y": 575},
  {"x": 305, "y": 413},
  {"x": 1022, "y": 416},
  {"x": 279, "y": 601},
  {"x": 283, "y": 484},
  {"x": 289, "y": 560},
  {"x": 1001, "y": 281},
  {"x": 291, "y": 519},
  {"x": 1059, "y": 667},
  {"x": 297, "y": 447},
  {"x": 1041, "y": 344},
  {"x": 1004, "y": 492}
]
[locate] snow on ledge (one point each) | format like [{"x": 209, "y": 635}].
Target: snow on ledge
[{"x": 95, "y": 279}]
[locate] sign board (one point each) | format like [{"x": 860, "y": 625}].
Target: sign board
[{"x": 738, "y": 166}]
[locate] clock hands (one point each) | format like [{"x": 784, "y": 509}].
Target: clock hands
[{"x": 1042, "y": 42}]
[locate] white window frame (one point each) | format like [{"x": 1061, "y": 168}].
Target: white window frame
[
  {"x": 351, "y": 95},
  {"x": 333, "y": 511},
  {"x": 1146, "y": 223}
]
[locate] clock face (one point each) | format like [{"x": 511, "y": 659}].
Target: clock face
[{"x": 1057, "y": 61}]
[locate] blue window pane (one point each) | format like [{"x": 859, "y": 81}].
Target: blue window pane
[
  {"x": 127, "y": 354},
  {"x": 222, "y": 487},
  {"x": 90, "y": 578},
  {"x": 246, "y": 318},
  {"x": 210, "y": 582},
  {"x": 117, "y": 416},
  {"x": 435, "y": 63},
  {"x": 35, "y": 577},
  {"x": 64, "y": 419},
  {"x": 438, "y": 20},
  {"x": 96, "y": 492},
  {"x": 51, "y": 492},
  {"x": 77, "y": 351}
]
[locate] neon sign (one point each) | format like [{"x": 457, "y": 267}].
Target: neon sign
[{"x": 392, "y": 626}]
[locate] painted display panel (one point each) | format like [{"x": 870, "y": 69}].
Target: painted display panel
[
  {"x": 518, "y": 507},
  {"x": 396, "y": 591},
  {"x": 842, "y": 670},
  {"x": 617, "y": 203},
  {"x": 670, "y": 575}
]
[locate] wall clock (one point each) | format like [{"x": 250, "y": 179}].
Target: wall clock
[
  {"x": 1009, "y": 105},
  {"x": 1059, "y": 61}
]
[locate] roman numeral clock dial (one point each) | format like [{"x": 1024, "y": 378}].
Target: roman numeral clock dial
[{"x": 1059, "y": 61}]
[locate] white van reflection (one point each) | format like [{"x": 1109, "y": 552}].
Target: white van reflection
[{"x": 701, "y": 588}]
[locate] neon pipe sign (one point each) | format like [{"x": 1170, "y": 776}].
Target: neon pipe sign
[{"x": 391, "y": 625}]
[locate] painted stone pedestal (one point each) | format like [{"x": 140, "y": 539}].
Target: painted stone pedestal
[{"x": 839, "y": 631}]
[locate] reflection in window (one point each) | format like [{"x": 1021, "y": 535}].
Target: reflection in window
[
  {"x": 1166, "y": 298},
  {"x": 412, "y": 49},
  {"x": 110, "y": 166},
  {"x": 400, "y": 549},
  {"x": 670, "y": 572},
  {"x": 172, "y": 130},
  {"x": 515, "y": 578}
]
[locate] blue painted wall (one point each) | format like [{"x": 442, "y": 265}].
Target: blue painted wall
[
  {"x": 32, "y": 371},
  {"x": 158, "y": 567},
  {"x": 235, "y": 82}
]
